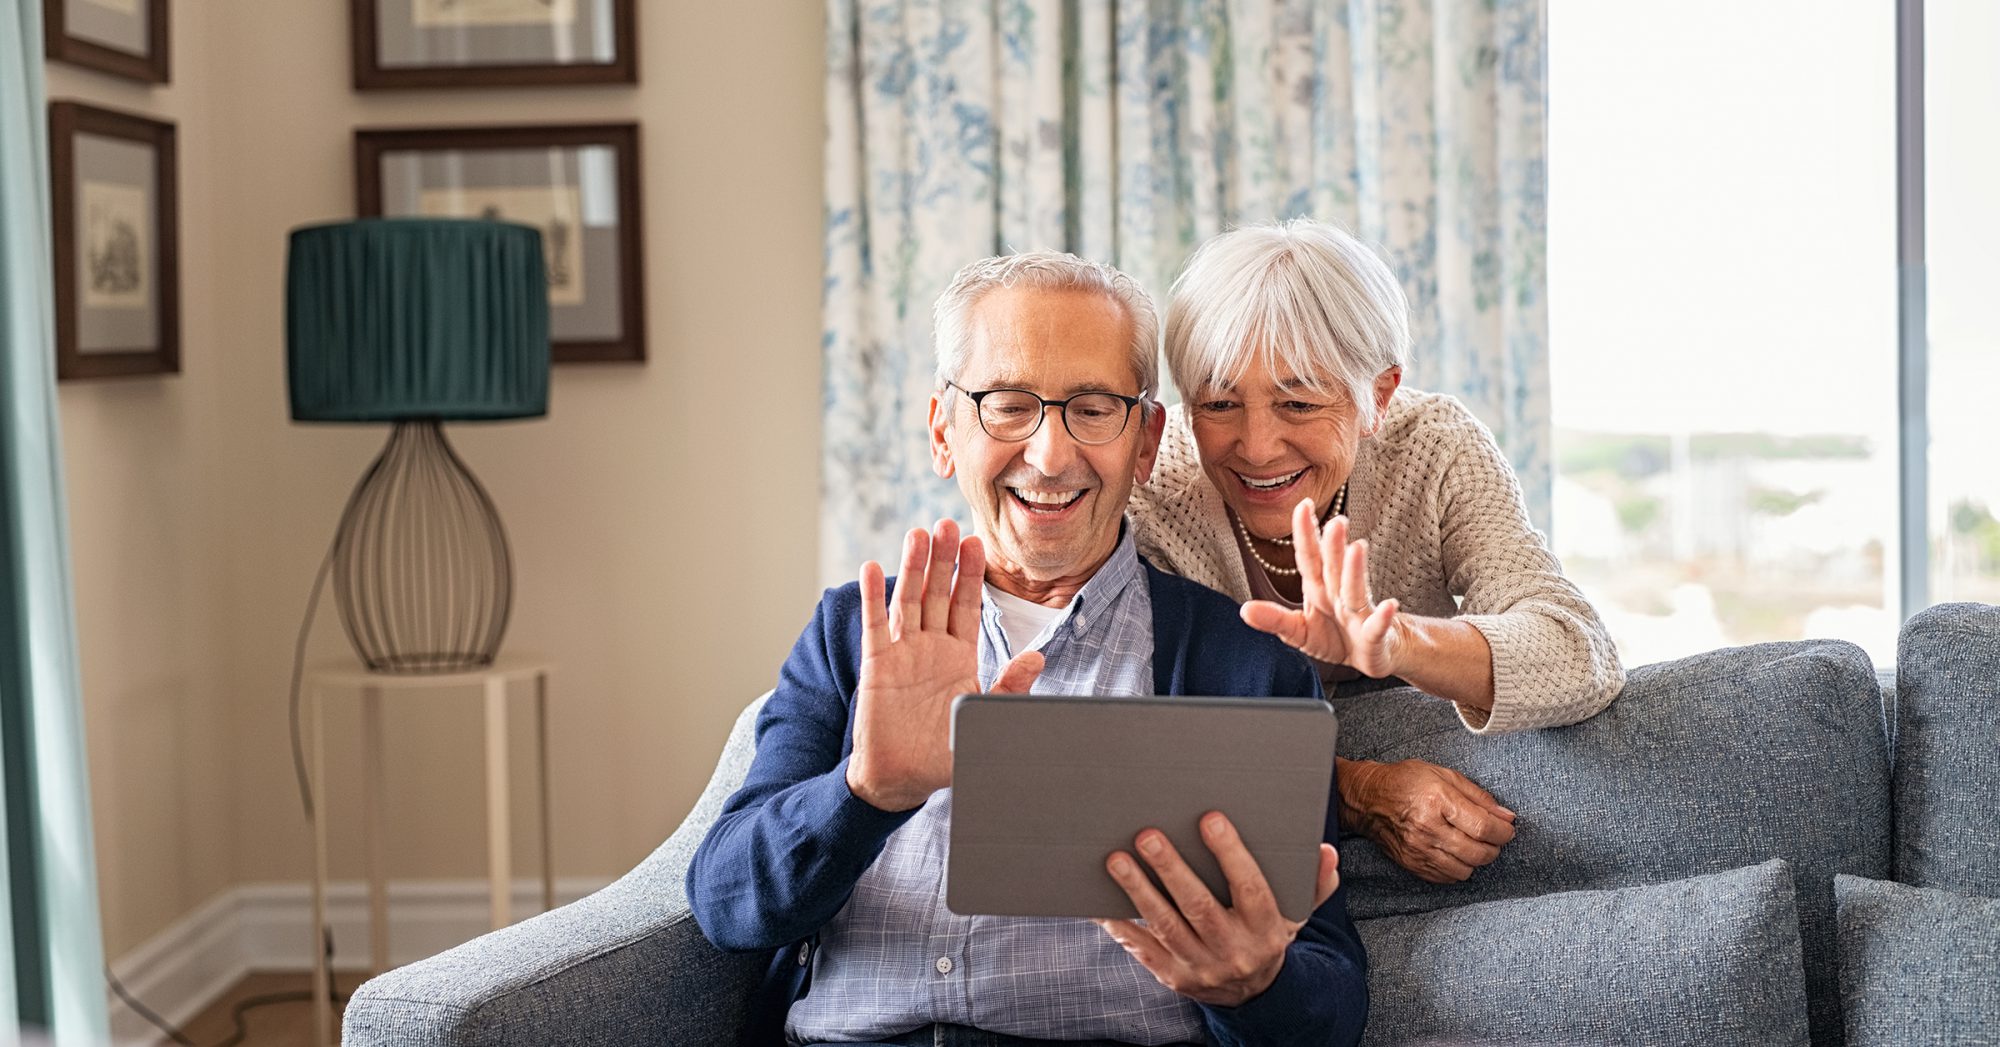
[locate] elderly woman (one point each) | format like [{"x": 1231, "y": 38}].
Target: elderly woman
[{"x": 1376, "y": 528}]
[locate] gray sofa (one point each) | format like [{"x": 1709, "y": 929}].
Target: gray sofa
[{"x": 1760, "y": 845}]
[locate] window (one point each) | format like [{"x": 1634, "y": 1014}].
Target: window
[
  {"x": 1723, "y": 322},
  {"x": 1962, "y": 169}
]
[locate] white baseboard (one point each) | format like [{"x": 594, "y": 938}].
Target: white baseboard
[{"x": 268, "y": 927}]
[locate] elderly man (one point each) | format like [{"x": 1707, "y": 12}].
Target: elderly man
[{"x": 833, "y": 851}]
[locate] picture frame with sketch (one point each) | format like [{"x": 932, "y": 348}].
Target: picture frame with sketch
[
  {"x": 113, "y": 191},
  {"x": 492, "y": 43},
  {"x": 577, "y": 183},
  {"x": 125, "y": 38}
]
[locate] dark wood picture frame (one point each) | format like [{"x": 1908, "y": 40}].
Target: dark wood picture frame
[
  {"x": 369, "y": 73},
  {"x": 371, "y": 144},
  {"x": 66, "y": 121},
  {"x": 151, "y": 67}
]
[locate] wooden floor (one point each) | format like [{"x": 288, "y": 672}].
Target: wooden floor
[{"x": 287, "y": 1024}]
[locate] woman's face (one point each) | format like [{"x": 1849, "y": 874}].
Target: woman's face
[{"x": 1270, "y": 442}]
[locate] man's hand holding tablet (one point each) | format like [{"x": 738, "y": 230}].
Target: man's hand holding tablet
[{"x": 1192, "y": 942}]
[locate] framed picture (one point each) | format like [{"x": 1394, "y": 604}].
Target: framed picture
[
  {"x": 117, "y": 243},
  {"x": 121, "y": 37},
  {"x": 493, "y": 43},
  {"x": 579, "y": 184}
]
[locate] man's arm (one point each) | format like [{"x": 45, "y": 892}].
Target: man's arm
[
  {"x": 791, "y": 843},
  {"x": 808, "y": 821}
]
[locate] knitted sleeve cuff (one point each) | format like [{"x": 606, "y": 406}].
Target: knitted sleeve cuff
[{"x": 1542, "y": 676}]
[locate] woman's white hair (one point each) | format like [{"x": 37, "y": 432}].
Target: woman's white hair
[
  {"x": 1299, "y": 300},
  {"x": 951, "y": 332}
]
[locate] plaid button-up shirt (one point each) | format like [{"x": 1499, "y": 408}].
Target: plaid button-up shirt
[{"x": 895, "y": 958}]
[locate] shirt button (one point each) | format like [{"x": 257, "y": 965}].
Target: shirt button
[
  {"x": 1081, "y": 625},
  {"x": 805, "y": 953},
  {"x": 943, "y": 965}
]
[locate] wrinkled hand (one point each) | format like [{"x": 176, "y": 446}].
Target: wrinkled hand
[
  {"x": 917, "y": 654},
  {"x": 1428, "y": 819},
  {"x": 1338, "y": 622},
  {"x": 1196, "y": 946}
]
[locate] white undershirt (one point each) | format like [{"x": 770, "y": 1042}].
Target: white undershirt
[{"x": 1023, "y": 621}]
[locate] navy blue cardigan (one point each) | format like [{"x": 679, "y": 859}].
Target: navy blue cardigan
[{"x": 784, "y": 855}]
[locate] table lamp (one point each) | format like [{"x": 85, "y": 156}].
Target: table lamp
[{"x": 417, "y": 322}]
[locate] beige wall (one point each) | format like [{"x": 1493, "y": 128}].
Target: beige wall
[
  {"x": 662, "y": 516},
  {"x": 147, "y": 558}
]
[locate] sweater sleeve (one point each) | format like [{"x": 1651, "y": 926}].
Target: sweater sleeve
[
  {"x": 1553, "y": 661},
  {"x": 789, "y": 846}
]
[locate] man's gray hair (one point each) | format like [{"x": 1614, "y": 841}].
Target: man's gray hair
[
  {"x": 1299, "y": 300},
  {"x": 951, "y": 332}
]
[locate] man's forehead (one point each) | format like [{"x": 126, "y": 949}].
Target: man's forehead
[
  {"x": 1027, "y": 338},
  {"x": 1006, "y": 374}
]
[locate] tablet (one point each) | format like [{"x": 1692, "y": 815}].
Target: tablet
[{"x": 1045, "y": 787}]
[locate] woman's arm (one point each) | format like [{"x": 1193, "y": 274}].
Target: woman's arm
[
  {"x": 1445, "y": 657},
  {"x": 1551, "y": 661},
  {"x": 1339, "y": 621}
]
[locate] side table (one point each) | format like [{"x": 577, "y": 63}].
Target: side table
[{"x": 492, "y": 682}]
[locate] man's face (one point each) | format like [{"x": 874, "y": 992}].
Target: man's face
[{"x": 1048, "y": 507}]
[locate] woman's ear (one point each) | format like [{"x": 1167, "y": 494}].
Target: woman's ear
[{"x": 1385, "y": 388}]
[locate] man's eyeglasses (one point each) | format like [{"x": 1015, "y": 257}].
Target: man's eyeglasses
[{"x": 1013, "y": 415}]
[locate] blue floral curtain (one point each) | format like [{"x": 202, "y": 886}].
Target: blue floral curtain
[
  {"x": 51, "y": 966},
  {"x": 1130, "y": 131}
]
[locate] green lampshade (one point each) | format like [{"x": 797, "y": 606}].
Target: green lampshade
[{"x": 397, "y": 318}]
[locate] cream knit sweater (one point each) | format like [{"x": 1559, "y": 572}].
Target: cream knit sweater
[{"x": 1448, "y": 536}]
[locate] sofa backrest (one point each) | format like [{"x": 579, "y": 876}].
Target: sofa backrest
[
  {"x": 1947, "y": 791},
  {"x": 1702, "y": 765}
]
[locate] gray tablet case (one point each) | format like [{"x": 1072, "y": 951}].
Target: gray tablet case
[{"x": 1044, "y": 788}]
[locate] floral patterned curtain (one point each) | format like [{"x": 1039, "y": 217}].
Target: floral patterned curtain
[{"x": 1130, "y": 131}]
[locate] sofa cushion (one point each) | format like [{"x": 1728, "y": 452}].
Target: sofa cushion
[
  {"x": 1917, "y": 965},
  {"x": 1713, "y": 762},
  {"x": 1947, "y": 744},
  {"x": 1711, "y": 960}
]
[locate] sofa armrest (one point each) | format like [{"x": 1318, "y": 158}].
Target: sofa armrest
[
  {"x": 625, "y": 965},
  {"x": 607, "y": 970}
]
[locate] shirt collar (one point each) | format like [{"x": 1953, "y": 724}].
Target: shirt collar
[{"x": 1118, "y": 573}]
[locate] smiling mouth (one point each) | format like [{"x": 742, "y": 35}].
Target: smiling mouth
[
  {"x": 1269, "y": 484},
  {"x": 1045, "y": 502}
]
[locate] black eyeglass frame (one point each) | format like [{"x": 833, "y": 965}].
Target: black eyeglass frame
[{"x": 976, "y": 396}]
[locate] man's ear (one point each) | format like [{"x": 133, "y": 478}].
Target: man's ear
[
  {"x": 1385, "y": 387},
  {"x": 940, "y": 427},
  {"x": 1155, "y": 424}
]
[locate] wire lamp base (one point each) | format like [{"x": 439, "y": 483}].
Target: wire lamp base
[{"x": 421, "y": 570}]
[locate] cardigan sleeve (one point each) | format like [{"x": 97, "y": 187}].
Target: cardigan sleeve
[
  {"x": 1553, "y": 661},
  {"x": 791, "y": 843}
]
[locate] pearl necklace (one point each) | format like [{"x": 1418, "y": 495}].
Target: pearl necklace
[{"x": 1339, "y": 506}]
